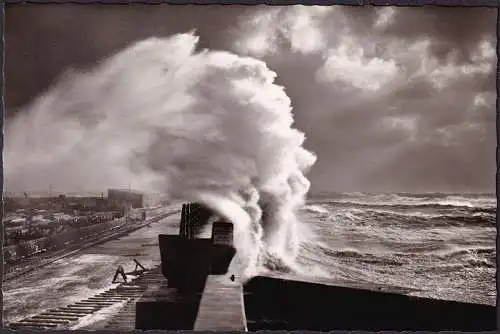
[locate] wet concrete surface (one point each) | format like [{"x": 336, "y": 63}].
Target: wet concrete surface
[{"x": 84, "y": 274}]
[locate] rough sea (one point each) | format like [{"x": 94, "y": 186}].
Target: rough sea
[{"x": 441, "y": 245}]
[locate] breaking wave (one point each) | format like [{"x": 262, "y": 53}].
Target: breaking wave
[{"x": 162, "y": 116}]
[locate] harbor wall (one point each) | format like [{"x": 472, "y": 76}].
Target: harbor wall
[{"x": 280, "y": 304}]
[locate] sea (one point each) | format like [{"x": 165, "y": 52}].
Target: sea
[{"x": 437, "y": 245}]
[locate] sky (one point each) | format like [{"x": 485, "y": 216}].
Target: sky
[{"x": 391, "y": 99}]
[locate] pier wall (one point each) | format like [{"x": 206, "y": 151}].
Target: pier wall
[{"x": 280, "y": 304}]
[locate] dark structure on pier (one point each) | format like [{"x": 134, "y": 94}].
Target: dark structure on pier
[
  {"x": 187, "y": 262},
  {"x": 199, "y": 294}
]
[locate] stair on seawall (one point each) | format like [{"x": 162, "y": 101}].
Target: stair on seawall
[
  {"x": 124, "y": 319},
  {"x": 221, "y": 307},
  {"x": 68, "y": 316}
]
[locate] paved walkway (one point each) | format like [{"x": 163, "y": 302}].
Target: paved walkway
[{"x": 221, "y": 307}]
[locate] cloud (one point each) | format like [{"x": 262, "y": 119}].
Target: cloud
[
  {"x": 393, "y": 88},
  {"x": 75, "y": 36},
  {"x": 270, "y": 30},
  {"x": 450, "y": 30},
  {"x": 385, "y": 17},
  {"x": 482, "y": 62},
  {"x": 392, "y": 98},
  {"x": 406, "y": 124},
  {"x": 348, "y": 63}
]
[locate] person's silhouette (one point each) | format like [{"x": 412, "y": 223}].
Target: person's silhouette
[{"x": 232, "y": 278}]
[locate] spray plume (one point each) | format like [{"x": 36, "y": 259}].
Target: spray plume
[{"x": 209, "y": 126}]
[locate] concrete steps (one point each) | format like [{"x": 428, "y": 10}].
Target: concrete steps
[{"x": 67, "y": 316}]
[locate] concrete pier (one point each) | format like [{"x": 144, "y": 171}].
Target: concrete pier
[{"x": 221, "y": 307}]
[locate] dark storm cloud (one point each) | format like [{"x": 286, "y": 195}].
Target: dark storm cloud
[{"x": 44, "y": 40}]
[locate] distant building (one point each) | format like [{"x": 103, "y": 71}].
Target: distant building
[
  {"x": 154, "y": 200},
  {"x": 125, "y": 198},
  {"x": 82, "y": 203}
]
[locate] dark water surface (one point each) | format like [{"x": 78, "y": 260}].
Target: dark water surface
[{"x": 442, "y": 245}]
